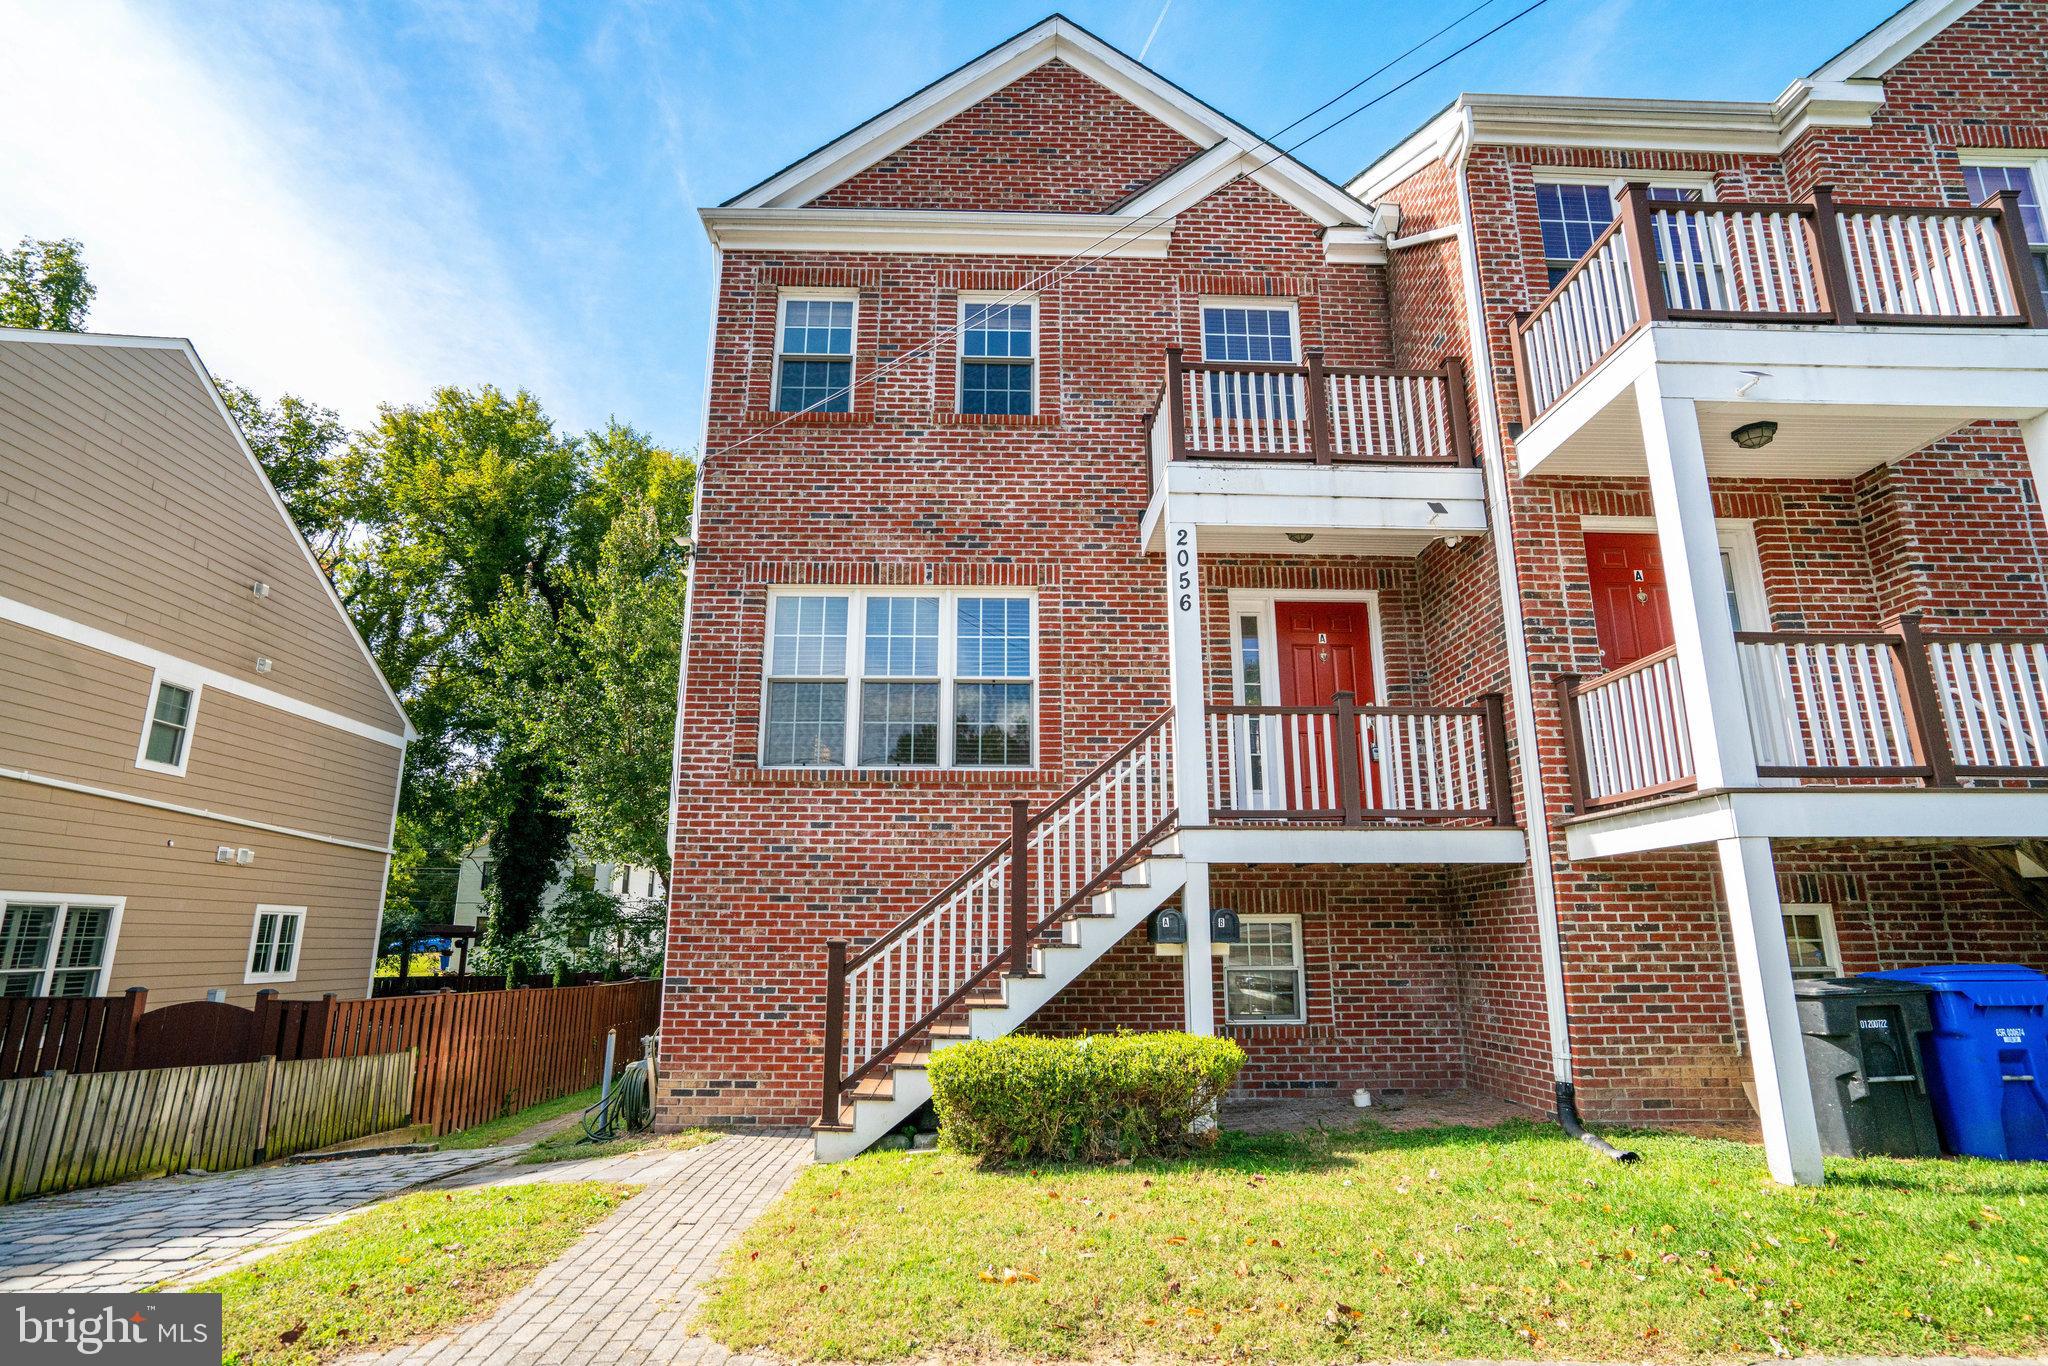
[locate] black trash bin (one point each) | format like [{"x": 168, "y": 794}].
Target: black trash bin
[{"x": 1863, "y": 1063}]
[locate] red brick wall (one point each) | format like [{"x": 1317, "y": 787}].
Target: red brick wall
[
  {"x": 1381, "y": 964},
  {"x": 1052, "y": 141},
  {"x": 769, "y": 864}
]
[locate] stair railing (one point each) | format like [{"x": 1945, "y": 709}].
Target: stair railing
[{"x": 986, "y": 920}]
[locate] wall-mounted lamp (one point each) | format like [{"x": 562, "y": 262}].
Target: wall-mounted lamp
[
  {"x": 1301, "y": 537},
  {"x": 259, "y": 589},
  {"x": 1754, "y": 436}
]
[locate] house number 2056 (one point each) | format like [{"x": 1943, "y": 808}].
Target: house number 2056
[{"x": 1183, "y": 570}]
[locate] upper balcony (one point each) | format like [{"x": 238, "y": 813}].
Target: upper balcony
[
  {"x": 1908, "y": 322},
  {"x": 1291, "y": 459},
  {"x": 1902, "y": 734}
]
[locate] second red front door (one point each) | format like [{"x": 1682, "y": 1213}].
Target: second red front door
[
  {"x": 1325, "y": 649},
  {"x": 1630, "y": 609}
]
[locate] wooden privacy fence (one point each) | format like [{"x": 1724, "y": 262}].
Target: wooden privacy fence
[
  {"x": 486, "y": 1053},
  {"x": 479, "y": 1053},
  {"x": 66, "y": 1130}
]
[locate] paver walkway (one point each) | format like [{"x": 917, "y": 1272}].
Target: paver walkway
[
  {"x": 623, "y": 1295},
  {"x": 135, "y": 1234}
]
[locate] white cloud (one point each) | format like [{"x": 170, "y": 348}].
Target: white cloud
[{"x": 263, "y": 199}]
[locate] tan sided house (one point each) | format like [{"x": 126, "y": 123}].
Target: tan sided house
[{"x": 199, "y": 759}]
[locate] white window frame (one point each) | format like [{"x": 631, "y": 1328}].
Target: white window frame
[
  {"x": 1267, "y": 303},
  {"x": 114, "y": 905},
  {"x": 961, "y": 358},
  {"x": 1831, "y": 947},
  {"x": 852, "y": 357},
  {"x": 249, "y": 973},
  {"x": 1734, "y": 535},
  {"x": 1300, "y": 1017},
  {"x": 2036, "y": 167},
  {"x": 856, "y": 667},
  {"x": 157, "y": 679},
  {"x": 1593, "y": 175}
]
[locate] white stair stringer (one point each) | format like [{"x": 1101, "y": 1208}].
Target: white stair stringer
[{"x": 1116, "y": 911}]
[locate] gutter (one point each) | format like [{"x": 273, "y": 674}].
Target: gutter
[{"x": 1493, "y": 463}]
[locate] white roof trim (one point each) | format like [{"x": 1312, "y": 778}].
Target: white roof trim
[
  {"x": 1872, "y": 56},
  {"x": 1196, "y": 180},
  {"x": 1054, "y": 39},
  {"x": 1145, "y": 237},
  {"x": 220, "y": 408}
]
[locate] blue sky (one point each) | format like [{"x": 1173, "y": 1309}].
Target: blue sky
[{"x": 359, "y": 202}]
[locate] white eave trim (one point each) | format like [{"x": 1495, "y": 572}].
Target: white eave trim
[
  {"x": 1201, "y": 177},
  {"x": 958, "y": 233}
]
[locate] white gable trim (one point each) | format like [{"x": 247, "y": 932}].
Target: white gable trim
[
  {"x": 1055, "y": 39},
  {"x": 961, "y": 233},
  {"x": 1198, "y": 179},
  {"x": 1872, "y": 56},
  {"x": 220, "y": 408}
]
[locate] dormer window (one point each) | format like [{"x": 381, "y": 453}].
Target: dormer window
[
  {"x": 998, "y": 354},
  {"x": 814, "y": 354}
]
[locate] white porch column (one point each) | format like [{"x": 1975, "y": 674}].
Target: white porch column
[
  {"x": 1770, "y": 1016},
  {"x": 1717, "y": 715},
  {"x": 2034, "y": 432},
  {"x": 1198, "y": 965},
  {"x": 1185, "y": 683}
]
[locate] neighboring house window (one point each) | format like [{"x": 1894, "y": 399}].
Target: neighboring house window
[
  {"x": 274, "y": 944},
  {"x": 814, "y": 355},
  {"x": 1988, "y": 179},
  {"x": 1571, "y": 216},
  {"x": 998, "y": 357},
  {"x": 927, "y": 680},
  {"x": 167, "y": 734},
  {"x": 1263, "y": 982},
  {"x": 54, "y": 947},
  {"x": 1810, "y": 941}
]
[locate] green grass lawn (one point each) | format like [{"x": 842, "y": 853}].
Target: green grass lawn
[
  {"x": 1506, "y": 1242},
  {"x": 509, "y": 1126},
  {"x": 408, "y": 1268},
  {"x": 567, "y": 1147}
]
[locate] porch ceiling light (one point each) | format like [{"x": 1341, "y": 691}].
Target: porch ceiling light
[
  {"x": 1301, "y": 537},
  {"x": 1754, "y": 436}
]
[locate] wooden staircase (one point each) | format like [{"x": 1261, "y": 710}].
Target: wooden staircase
[{"x": 981, "y": 957}]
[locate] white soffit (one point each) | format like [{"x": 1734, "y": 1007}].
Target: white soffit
[{"x": 1231, "y": 146}]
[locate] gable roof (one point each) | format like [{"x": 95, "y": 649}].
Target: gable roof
[
  {"x": 1229, "y": 147},
  {"x": 1873, "y": 55},
  {"x": 167, "y": 394}
]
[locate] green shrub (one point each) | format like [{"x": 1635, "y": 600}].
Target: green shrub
[{"x": 1020, "y": 1098}]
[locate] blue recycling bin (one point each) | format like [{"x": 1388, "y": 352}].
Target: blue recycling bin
[{"x": 1987, "y": 1057}]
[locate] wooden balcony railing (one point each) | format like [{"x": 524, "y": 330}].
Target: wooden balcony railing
[
  {"x": 1315, "y": 413},
  {"x": 987, "y": 919},
  {"x": 1816, "y": 262},
  {"x": 1824, "y": 706},
  {"x": 1356, "y": 766}
]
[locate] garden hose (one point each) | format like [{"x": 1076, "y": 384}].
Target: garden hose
[{"x": 624, "y": 1109}]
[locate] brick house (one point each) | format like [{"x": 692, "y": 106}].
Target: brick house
[{"x": 1514, "y": 665}]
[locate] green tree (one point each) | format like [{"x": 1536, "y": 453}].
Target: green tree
[
  {"x": 43, "y": 284},
  {"x": 304, "y": 448}
]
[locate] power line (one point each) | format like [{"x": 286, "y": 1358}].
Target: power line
[{"x": 1144, "y": 225}]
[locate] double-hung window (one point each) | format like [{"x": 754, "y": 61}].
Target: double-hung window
[
  {"x": 167, "y": 730},
  {"x": 55, "y": 946},
  {"x": 1987, "y": 175},
  {"x": 1571, "y": 216},
  {"x": 814, "y": 354},
  {"x": 998, "y": 356},
  {"x": 1263, "y": 982},
  {"x": 1810, "y": 941},
  {"x": 274, "y": 944},
  {"x": 889, "y": 678}
]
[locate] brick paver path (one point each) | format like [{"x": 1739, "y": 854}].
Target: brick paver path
[
  {"x": 135, "y": 1234},
  {"x": 624, "y": 1294}
]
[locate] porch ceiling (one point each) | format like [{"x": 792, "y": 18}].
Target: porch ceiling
[
  {"x": 1303, "y": 844},
  {"x": 1970, "y": 816},
  {"x": 1845, "y": 400},
  {"x": 1254, "y": 507}
]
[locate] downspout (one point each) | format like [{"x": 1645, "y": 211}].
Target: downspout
[{"x": 1493, "y": 464}]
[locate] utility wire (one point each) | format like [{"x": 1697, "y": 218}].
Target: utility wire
[{"x": 1065, "y": 266}]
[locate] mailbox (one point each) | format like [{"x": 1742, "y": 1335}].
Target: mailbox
[{"x": 1168, "y": 930}]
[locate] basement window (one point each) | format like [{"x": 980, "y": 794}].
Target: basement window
[{"x": 1810, "y": 941}]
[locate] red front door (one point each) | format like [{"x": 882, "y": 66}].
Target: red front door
[
  {"x": 1324, "y": 648},
  {"x": 1630, "y": 609}
]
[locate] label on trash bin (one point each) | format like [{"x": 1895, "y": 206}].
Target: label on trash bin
[{"x": 2013, "y": 1034}]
